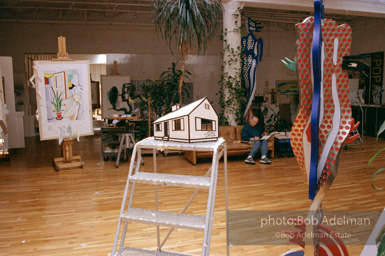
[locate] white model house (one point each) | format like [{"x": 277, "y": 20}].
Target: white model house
[{"x": 195, "y": 122}]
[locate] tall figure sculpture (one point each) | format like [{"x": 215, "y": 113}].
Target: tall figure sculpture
[
  {"x": 323, "y": 121},
  {"x": 253, "y": 50}
]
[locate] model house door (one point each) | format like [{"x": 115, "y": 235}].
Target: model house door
[{"x": 165, "y": 129}]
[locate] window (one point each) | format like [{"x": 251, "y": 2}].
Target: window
[
  {"x": 158, "y": 127},
  {"x": 205, "y": 124},
  {"x": 178, "y": 125},
  {"x": 207, "y": 106}
]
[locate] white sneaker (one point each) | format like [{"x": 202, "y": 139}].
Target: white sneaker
[{"x": 249, "y": 160}]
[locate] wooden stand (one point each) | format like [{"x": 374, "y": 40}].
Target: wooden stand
[
  {"x": 62, "y": 47},
  {"x": 115, "y": 68},
  {"x": 68, "y": 160}
]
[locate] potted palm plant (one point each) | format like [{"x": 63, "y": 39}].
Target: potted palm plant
[
  {"x": 192, "y": 23},
  {"x": 57, "y": 102}
]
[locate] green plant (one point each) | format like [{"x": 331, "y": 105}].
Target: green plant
[
  {"x": 192, "y": 23},
  {"x": 169, "y": 86},
  {"x": 163, "y": 92},
  {"x": 231, "y": 92},
  {"x": 380, "y": 131},
  {"x": 159, "y": 95},
  {"x": 380, "y": 241},
  {"x": 276, "y": 123},
  {"x": 57, "y": 101}
]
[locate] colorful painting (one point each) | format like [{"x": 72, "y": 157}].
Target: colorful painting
[{"x": 63, "y": 93}]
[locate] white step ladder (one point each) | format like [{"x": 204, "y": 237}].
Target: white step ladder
[{"x": 170, "y": 219}]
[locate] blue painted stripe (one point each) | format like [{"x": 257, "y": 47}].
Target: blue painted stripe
[{"x": 315, "y": 110}]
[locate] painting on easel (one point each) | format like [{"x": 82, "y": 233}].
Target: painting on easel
[
  {"x": 63, "y": 92},
  {"x": 115, "y": 96}
]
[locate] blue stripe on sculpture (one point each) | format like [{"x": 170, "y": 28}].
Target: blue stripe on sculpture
[{"x": 316, "y": 61}]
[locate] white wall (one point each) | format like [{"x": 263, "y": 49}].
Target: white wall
[
  {"x": 204, "y": 69},
  {"x": 152, "y": 56},
  {"x": 183, "y": 134}
]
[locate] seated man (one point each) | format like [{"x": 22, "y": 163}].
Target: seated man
[{"x": 253, "y": 132}]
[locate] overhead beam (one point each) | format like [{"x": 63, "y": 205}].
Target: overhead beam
[{"x": 368, "y": 8}]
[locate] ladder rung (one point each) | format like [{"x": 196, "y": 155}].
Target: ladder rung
[
  {"x": 129, "y": 251},
  {"x": 171, "y": 180},
  {"x": 168, "y": 219}
]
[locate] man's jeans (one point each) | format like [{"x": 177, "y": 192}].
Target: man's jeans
[{"x": 256, "y": 146}]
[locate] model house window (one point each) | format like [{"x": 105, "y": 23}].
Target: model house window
[
  {"x": 207, "y": 106},
  {"x": 178, "y": 125},
  {"x": 203, "y": 124},
  {"x": 158, "y": 127}
]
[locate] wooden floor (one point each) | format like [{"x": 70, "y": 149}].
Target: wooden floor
[{"x": 75, "y": 211}]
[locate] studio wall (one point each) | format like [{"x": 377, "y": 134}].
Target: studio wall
[{"x": 17, "y": 39}]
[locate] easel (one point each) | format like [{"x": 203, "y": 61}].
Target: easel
[
  {"x": 68, "y": 160},
  {"x": 115, "y": 68},
  {"x": 62, "y": 47}
]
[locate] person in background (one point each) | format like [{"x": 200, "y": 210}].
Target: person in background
[{"x": 253, "y": 132}]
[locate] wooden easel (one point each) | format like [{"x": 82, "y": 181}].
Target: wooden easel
[
  {"x": 68, "y": 160},
  {"x": 62, "y": 47},
  {"x": 115, "y": 68}
]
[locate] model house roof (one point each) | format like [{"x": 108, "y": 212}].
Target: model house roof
[{"x": 184, "y": 111}]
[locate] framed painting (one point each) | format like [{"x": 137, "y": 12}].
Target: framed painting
[
  {"x": 63, "y": 94},
  {"x": 115, "y": 98},
  {"x": 95, "y": 95}
]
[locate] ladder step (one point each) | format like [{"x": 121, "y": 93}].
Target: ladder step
[
  {"x": 129, "y": 251},
  {"x": 168, "y": 219},
  {"x": 172, "y": 180}
]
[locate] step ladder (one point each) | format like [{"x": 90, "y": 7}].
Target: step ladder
[{"x": 170, "y": 219}]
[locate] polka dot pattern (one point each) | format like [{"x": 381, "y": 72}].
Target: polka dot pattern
[
  {"x": 330, "y": 32},
  {"x": 304, "y": 43}
]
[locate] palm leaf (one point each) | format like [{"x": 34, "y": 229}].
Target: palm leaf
[
  {"x": 374, "y": 175},
  {"x": 374, "y": 157},
  {"x": 190, "y": 22},
  {"x": 381, "y": 130}
]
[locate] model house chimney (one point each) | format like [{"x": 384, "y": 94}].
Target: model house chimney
[{"x": 175, "y": 107}]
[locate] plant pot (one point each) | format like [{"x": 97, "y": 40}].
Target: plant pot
[{"x": 59, "y": 116}]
